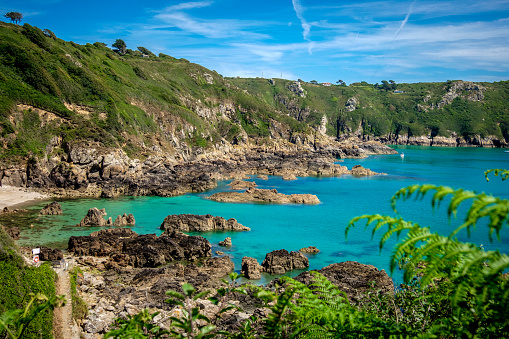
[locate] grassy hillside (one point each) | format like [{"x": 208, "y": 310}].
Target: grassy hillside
[
  {"x": 413, "y": 110},
  {"x": 95, "y": 94}
]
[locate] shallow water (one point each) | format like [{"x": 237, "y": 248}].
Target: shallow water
[{"x": 295, "y": 226}]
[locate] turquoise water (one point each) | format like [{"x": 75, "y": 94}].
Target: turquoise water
[{"x": 292, "y": 227}]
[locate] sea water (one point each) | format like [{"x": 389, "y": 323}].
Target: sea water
[{"x": 291, "y": 226}]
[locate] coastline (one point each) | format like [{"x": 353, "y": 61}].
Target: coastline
[{"x": 11, "y": 196}]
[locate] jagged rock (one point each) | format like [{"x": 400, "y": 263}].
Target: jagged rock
[
  {"x": 351, "y": 104},
  {"x": 240, "y": 184},
  {"x": 296, "y": 88},
  {"x": 281, "y": 261},
  {"x": 251, "y": 269},
  {"x": 200, "y": 223},
  {"x": 226, "y": 242},
  {"x": 48, "y": 254},
  {"x": 264, "y": 195},
  {"x": 147, "y": 250},
  {"x": 124, "y": 220},
  {"x": 310, "y": 249},
  {"x": 94, "y": 217},
  {"x": 353, "y": 278},
  {"x": 52, "y": 209}
]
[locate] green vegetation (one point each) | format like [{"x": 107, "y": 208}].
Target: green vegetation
[
  {"x": 79, "y": 307},
  {"x": 27, "y": 295}
]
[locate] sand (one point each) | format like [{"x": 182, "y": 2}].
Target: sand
[{"x": 13, "y": 196}]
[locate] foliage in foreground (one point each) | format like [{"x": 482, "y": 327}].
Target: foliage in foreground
[{"x": 452, "y": 289}]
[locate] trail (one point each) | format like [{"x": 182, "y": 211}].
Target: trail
[{"x": 63, "y": 325}]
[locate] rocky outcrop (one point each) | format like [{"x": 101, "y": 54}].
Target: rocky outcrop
[
  {"x": 126, "y": 248},
  {"x": 265, "y": 195},
  {"x": 94, "y": 217},
  {"x": 281, "y": 261},
  {"x": 289, "y": 177},
  {"x": 48, "y": 254},
  {"x": 125, "y": 220},
  {"x": 200, "y": 223},
  {"x": 360, "y": 171},
  {"x": 52, "y": 209},
  {"x": 251, "y": 269},
  {"x": 13, "y": 232},
  {"x": 226, "y": 242},
  {"x": 353, "y": 278},
  {"x": 310, "y": 250},
  {"x": 240, "y": 184},
  {"x": 296, "y": 88},
  {"x": 351, "y": 104}
]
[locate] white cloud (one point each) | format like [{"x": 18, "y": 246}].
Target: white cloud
[{"x": 306, "y": 27}]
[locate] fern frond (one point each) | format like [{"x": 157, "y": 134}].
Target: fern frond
[{"x": 504, "y": 174}]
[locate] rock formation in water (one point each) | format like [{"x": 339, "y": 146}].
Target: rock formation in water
[
  {"x": 353, "y": 278},
  {"x": 124, "y": 247},
  {"x": 281, "y": 261},
  {"x": 310, "y": 250},
  {"x": 251, "y": 269},
  {"x": 240, "y": 184},
  {"x": 52, "y": 209},
  {"x": 265, "y": 195},
  {"x": 226, "y": 242},
  {"x": 200, "y": 223},
  {"x": 95, "y": 216}
]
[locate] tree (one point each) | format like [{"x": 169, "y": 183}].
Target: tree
[
  {"x": 314, "y": 82},
  {"x": 341, "y": 83},
  {"x": 14, "y": 16},
  {"x": 121, "y": 47},
  {"x": 145, "y": 51}
]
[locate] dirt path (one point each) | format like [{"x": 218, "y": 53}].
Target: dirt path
[{"x": 63, "y": 324}]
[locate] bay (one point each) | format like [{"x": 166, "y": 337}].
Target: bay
[{"x": 292, "y": 227}]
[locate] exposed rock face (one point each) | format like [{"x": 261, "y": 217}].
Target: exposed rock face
[
  {"x": 240, "y": 184},
  {"x": 265, "y": 195},
  {"x": 48, "y": 254},
  {"x": 251, "y": 269},
  {"x": 126, "y": 248},
  {"x": 200, "y": 223},
  {"x": 226, "y": 242},
  {"x": 281, "y": 261},
  {"x": 310, "y": 249},
  {"x": 353, "y": 278},
  {"x": 351, "y": 104},
  {"x": 52, "y": 209},
  {"x": 296, "y": 88}
]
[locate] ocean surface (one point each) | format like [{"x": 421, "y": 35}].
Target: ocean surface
[{"x": 292, "y": 227}]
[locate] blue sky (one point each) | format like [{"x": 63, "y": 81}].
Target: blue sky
[{"x": 405, "y": 41}]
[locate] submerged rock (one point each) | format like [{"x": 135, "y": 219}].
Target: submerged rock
[
  {"x": 200, "y": 223},
  {"x": 265, "y": 195}
]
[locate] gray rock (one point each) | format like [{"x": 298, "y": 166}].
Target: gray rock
[
  {"x": 281, "y": 261},
  {"x": 251, "y": 269},
  {"x": 200, "y": 223},
  {"x": 52, "y": 209}
]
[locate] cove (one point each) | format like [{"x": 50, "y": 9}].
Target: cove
[{"x": 292, "y": 227}]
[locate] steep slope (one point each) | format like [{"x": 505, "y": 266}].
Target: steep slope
[{"x": 459, "y": 112}]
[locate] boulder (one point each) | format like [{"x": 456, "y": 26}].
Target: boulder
[
  {"x": 48, "y": 254},
  {"x": 251, "y": 269},
  {"x": 310, "y": 250},
  {"x": 262, "y": 177},
  {"x": 289, "y": 176},
  {"x": 353, "y": 278},
  {"x": 240, "y": 184},
  {"x": 13, "y": 232},
  {"x": 94, "y": 217},
  {"x": 281, "y": 261},
  {"x": 200, "y": 223},
  {"x": 360, "y": 171},
  {"x": 265, "y": 195},
  {"x": 226, "y": 242},
  {"x": 124, "y": 220},
  {"x": 52, "y": 209}
]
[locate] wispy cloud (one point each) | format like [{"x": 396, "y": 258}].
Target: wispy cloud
[
  {"x": 403, "y": 23},
  {"x": 306, "y": 27},
  {"x": 189, "y": 5}
]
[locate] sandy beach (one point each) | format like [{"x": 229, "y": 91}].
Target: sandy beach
[{"x": 12, "y": 196}]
